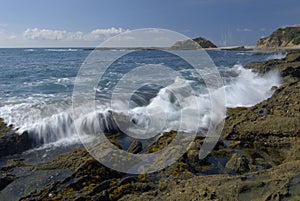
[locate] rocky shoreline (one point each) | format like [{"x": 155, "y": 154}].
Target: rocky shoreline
[{"x": 257, "y": 158}]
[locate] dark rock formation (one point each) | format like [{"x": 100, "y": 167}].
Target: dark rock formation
[
  {"x": 192, "y": 44},
  {"x": 240, "y": 48},
  {"x": 135, "y": 147},
  {"x": 289, "y": 66},
  {"x": 5, "y": 180},
  {"x": 5, "y": 129},
  {"x": 282, "y": 37},
  {"x": 11, "y": 142},
  {"x": 238, "y": 163}
]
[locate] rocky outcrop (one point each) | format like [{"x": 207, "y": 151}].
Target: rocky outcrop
[
  {"x": 5, "y": 129},
  {"x": 89, "y": 180},
  {"x": 14, "y": 144},
  {"x": 272, "y": 126},
  {"x": 238, "y": 164},
  {"x": 282, "y": 37},
  {"x": 135, "y": 147},
  {"x": 192, "y": 44},
  {"x": 288, "y": 66},
  {"x": 239, "y": 48},
  {"x": 11, "y": 142},
  {"x": 262, "y": 145},
  {"x": 280, "y": 183}
]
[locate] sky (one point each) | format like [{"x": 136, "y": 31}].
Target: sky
[{"x": 73, "y": 23}]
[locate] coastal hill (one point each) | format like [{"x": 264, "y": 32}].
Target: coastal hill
[
  {"x": 190, "y": 44},
  {"x": 282, "y": 37}
]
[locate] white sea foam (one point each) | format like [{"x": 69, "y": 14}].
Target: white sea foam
[
  {"x": 29, "y": 50},
  {"x": 51, "y": 122},
  {"x": 61, "y": 50},
  {"x": 249, "y": 88},
  {"x": 279, "y": 55}
]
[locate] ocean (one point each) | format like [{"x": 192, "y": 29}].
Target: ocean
[{"x": 36, "y": 87}]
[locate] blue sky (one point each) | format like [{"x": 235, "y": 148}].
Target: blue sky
[{"x": 33, "y": 23}]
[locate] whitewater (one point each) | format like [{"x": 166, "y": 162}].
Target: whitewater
[{"x": 36, "y": 93}]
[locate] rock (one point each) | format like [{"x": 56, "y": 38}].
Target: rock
[
  {"x": 292, "y": 57},
  {"x": 162, "y": 142},
  {"x": 270, "y": 127},
  {"x": 5, "y": 129},
  {"x": 269, "y": 130},
  {"x": 14, "y": 143},
  {"x": 192, "y": 44},
  {"x": 191, "y": 157},
  {"x": 88, "y": 178},
  {"x": 193, "y": 161},
  {"x": 238, "y": 164},
  {"x": 289, "y": 66},
  {"x": 204, "y": 43},
  {"x": 5, "y": 180},
  {"x": 273, "y": 88},
  {"x": 282, "y": 37},
  {"x": 279, "y": 183},
  {"x": 240, "y": 48},
  {"x": 135, "y": 147}
]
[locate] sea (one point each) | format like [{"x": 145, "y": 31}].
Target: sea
[{"x": 36, "y": 90}]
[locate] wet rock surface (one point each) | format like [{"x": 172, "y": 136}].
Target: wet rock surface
[
  {"x": 12, "y": 142},
  {"x": 135, "y": 147},
  {"x": 238, "y": 163},
  {"x": 261, "y": 144},
  {"x": 257, "y": 158}
]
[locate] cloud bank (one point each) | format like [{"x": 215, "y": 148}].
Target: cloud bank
[
  {"x": 41, "y": 37},
  {"x": 59, "y": 35}
]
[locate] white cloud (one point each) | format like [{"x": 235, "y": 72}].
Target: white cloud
[
  {"x": 112, "y": 30},
  {"x": 244, "y": 29},
  {"x": 45, "y": 34},
  {"x": 36, "y": 37},
  {"x": 62, "y": 35}
]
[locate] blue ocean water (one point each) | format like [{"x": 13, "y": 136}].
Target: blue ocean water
[{"x": 36, "y": 86}]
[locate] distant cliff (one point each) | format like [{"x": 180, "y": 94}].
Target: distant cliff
[
  {"x": 282, "y": 37},
  {"x": 190, "y": 44}
]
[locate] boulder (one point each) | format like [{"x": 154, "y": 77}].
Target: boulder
[
  {"x": 135, "y": 147},
  {"x": 14, "y": 144},
  {"x": 238, "y": 164}
]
